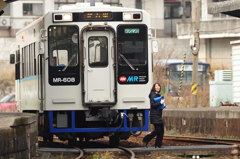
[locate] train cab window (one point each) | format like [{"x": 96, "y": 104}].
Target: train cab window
[
  {"x": 63, "y": 46},
  {"x": 132, "y": 53},
  {"x": 132, "y": 45},
  {"x": 98, "y": 51},
  {"x": 63, "y": 53}
]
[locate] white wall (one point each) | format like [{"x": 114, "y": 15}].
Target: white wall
[
  {"x": 217, "y": 52},
  {"x": 156, "y": 9},
  {"x": 48, "y": 5},
  {"x": 7, "y": 46},
  {"x": 205, "y": 15},
  {"x": 128, "y": 3}
]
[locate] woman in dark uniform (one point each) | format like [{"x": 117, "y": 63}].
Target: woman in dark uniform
[{"x": 155, "y": 117}]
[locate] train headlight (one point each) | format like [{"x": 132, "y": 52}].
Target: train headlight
[
  {"x": 132, "y": 16},
  {"x": 62, "y": 17}
]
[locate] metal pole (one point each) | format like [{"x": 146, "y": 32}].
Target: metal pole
[{"x": 196, "y": 14}]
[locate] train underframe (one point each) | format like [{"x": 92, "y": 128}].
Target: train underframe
[{"x": 92, "y": 124}]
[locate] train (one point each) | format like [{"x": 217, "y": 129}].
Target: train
[{"x": 86, "y": 71}]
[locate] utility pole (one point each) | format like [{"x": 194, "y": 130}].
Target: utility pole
[{"x": 195, "y": 46}]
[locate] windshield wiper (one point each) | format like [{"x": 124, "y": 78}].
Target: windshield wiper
[
  {"x": 70, "y": 61},
  {"x": 127, "y": 62}
]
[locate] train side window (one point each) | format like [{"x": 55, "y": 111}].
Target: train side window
[
  {"x": 17, "y": 66},
  {"x": 34, "y": 59},
  {"x": 26, "y": 67},
  {"x": 23, "y": 65},
  {"x": 30, "y": 59},
  {"x": 98, "y": 51}
]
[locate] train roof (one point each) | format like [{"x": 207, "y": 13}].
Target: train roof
[{"x": 85, "y": 7}]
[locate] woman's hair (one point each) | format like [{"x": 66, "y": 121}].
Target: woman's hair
[{"x": 153, "y": 87}]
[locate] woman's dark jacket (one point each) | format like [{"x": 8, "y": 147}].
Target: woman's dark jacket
[{"x": 155, "y": 115}]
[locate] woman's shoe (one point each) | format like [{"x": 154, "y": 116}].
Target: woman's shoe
[
  {"x": 158, "y": 146},
  {"x": 145, "y": 143}
]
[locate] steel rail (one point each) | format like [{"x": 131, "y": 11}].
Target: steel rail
[
  {"x": 81, "y": 153},
  {"x": 47, "y": 149},
  {"x": 128, "y": 151}
]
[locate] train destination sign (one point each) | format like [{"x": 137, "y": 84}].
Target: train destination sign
[
  {"x": 131, "y": 31},
  {"x": 98, "y": 15}
]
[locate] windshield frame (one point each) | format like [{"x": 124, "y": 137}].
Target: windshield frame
[
  {"x": 64, "y": 44},
  {"x": 67, "y": 74},
  {"x": 139, "y": 36}
]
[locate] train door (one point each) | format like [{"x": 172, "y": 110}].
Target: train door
[{"x": 99, "y": 82}]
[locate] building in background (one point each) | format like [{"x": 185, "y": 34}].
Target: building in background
[
  {"x": 175, "y": 11},
  {"x": 171, "y": 21},
  {"x": 22, "y": 12},
  {"x": 216, "y": 32}
]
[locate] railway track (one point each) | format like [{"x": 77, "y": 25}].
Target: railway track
[
  {"x": 48, "y": 151},
  {"x": 198, "y": 144}
]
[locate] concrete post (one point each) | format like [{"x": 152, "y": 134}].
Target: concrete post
[{"x": 196, "y": 15}]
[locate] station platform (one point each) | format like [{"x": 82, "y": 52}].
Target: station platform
[
  {"x": 213, "y": 121},
  {"x": 18, "y": 135}
]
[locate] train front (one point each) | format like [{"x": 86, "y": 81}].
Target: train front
[{"x": 98, "y": 73}]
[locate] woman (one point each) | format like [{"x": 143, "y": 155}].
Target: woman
[{"x": 155, "y": 117}]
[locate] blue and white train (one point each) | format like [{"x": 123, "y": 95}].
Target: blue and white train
[{"x": 86, "y": 71}]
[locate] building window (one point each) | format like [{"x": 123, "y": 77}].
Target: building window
[
  {"x": 138, "y": 4},
  {"x": 6, "y": 10},
  {"x": 34, "y": 9},
  {"x": 176, "y": 10}
]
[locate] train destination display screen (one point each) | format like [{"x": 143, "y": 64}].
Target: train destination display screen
[
  {"x": 98, "y": 16},
  {"x": 131, "y": 31}
]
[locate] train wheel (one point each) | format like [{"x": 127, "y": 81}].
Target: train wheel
[
  {"x": 114, "y": 140},
  {"x": 48, "y": 138},
  {"x": 72, "y": 142}
]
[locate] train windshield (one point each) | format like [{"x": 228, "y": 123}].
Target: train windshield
[
  {"x": 132, "y": 45},
  {"x": 63, "y": 46},
  {"x": 132, "y": 53}
]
